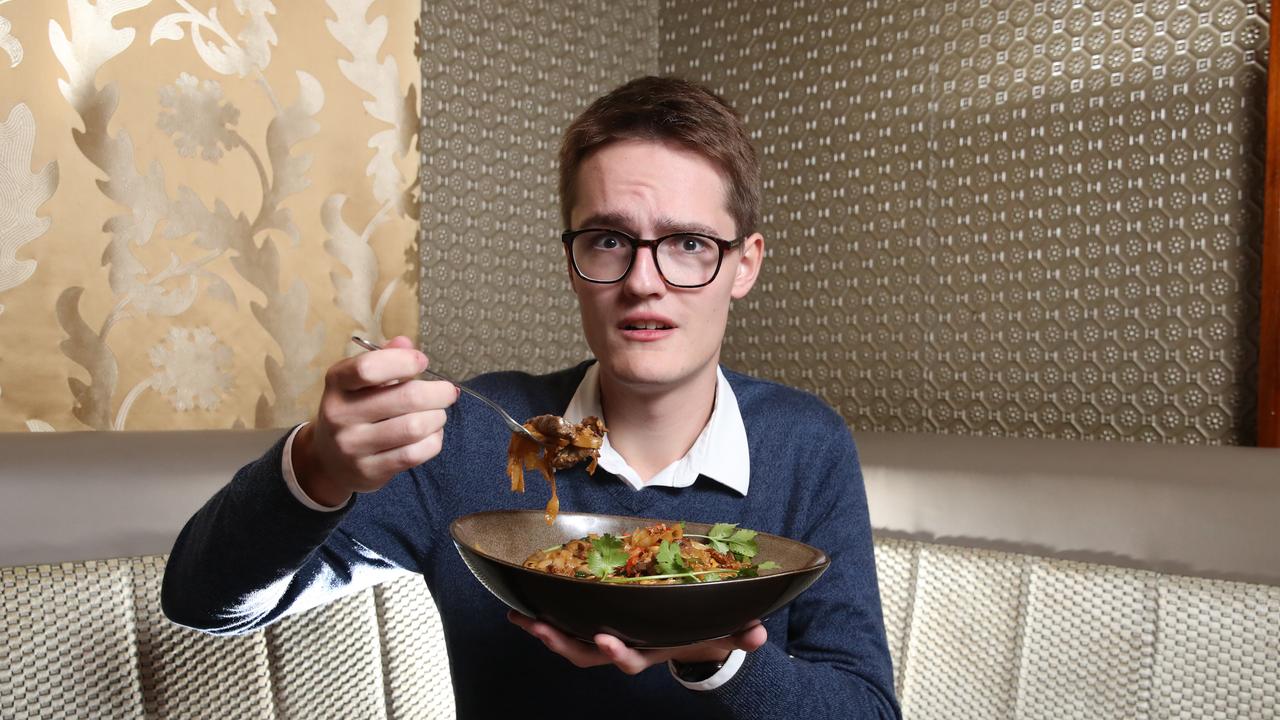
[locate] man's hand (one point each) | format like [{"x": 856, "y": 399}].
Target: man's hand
[
  {"x": 609, "y": 650},
  {"x": 374, "y": 420}
]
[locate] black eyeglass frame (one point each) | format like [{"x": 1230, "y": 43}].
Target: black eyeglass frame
[{"x": 724, "y": 246}]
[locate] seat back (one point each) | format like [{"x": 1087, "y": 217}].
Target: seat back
[{"x": 1019, "y": 579}]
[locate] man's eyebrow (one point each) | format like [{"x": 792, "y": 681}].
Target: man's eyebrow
[
  {"x": 610, "y": 220},
  {"x": 663, "y": 226}
]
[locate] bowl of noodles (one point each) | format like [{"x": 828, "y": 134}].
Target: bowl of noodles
[{"x": 651, "y": 583}]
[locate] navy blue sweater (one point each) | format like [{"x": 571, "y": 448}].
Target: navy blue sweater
[{"x": 253, "y": 553}]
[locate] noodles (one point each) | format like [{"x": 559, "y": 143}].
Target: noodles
[
  {"x": 561, "y": 445},
  {"x": 660, "y": 554}
]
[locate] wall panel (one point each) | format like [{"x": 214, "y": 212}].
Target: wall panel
[
  {"x": 199, "y": 206},
  {"x": 1005, "y": 218},
  {"x": 501, "y": 81}
]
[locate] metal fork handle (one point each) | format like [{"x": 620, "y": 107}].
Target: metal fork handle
[{"x": 510, "y": 421}]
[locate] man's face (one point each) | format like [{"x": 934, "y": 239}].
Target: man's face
[{"x": 650, "y": 189}]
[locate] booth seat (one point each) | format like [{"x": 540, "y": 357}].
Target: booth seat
[{"x": 1019, "y": 579}]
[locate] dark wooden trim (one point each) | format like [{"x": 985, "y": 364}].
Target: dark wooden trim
[{"x": 1269, "y": 332}]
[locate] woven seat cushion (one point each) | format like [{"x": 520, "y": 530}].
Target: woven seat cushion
[
  {"x": 974, "y": 633},
  {"x": 88, "y": 640},
  {"x": 983, "y": 634}
]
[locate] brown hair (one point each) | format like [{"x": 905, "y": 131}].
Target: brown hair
[{"x": 673, "y": 110}]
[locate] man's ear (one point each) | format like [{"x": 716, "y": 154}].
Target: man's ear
[{"x": 748, "y": 267}]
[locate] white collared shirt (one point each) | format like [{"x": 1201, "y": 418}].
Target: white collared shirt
[{"x": 720, "y": 452}]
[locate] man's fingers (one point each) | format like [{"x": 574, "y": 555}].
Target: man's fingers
[
  {"x": 402, "y": 430},
  {"x": 749, "y": 640},
  {"x": 523, "y": 621},
  {"x": 578, "y": 653},
  {"x": 610, "y": 650},
  {"x": 752, "y": 638},
  {"x": 389, "y": 401},
  {"x": 376, "y": 367},
  {"x": 389, "y": 462},
  {"x": 628, "y": 660}
]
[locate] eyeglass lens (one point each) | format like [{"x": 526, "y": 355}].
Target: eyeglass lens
[{"x": 686, "y": 260}]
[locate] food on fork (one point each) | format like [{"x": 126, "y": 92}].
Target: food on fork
[{"x": 561, "y": 444}]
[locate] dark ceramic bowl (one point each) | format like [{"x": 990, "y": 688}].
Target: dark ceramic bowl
[{"x": 495, "y": 544}]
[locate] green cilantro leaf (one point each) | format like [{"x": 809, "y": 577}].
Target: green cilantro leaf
[
  {"x": 751, "y": 571},
  {"x": 691, "y": 576},
  {"x": 722, "y": 531},
  {"x": 605, "y": 555},
  {"x": 719, "y": 534},
  {"x": 670, "y": 561},
  {"x": 743, "y": 543}
]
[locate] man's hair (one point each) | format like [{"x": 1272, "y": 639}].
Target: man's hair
[{"x": 668, "y": 109}]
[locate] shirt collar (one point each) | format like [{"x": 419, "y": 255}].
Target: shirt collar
[{"x": 720, "y": 452}]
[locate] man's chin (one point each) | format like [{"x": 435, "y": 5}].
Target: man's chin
[
  {"x": 643, "y": 373},
  {"x": 649, "y": 379},
  {"x": 650, "y": 374}
]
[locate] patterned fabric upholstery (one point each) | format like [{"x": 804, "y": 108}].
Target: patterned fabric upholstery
[
  {"x": 974, "y": 634},
  {"x": 984, "y": 634},
  {"x": 88, "y": 640}
]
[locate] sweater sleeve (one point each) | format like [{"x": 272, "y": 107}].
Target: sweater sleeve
[
  {"x": 253, "y": 554},
  {"x": 836, "y": 662}
]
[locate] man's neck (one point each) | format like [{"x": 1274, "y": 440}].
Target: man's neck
[{"x": 652, "y": 428}]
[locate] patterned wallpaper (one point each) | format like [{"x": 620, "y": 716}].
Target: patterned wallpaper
[
  {"x": 198, "y": 206},
  {"x": 1005, "y": 218},
  {"x": 1017, "y": 218},
  {"x": 500, "y": 82}
]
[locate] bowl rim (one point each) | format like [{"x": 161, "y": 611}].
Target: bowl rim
[{"x": 820, "y": 565}]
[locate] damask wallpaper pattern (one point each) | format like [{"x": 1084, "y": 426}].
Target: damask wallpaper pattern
[
  {"x": 1037, "y": 219},
  {"x": 199, "y": 206}
]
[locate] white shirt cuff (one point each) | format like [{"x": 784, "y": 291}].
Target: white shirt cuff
[
  {"x": 291, "y": 480},
  {"x": 722, "y": 676}
]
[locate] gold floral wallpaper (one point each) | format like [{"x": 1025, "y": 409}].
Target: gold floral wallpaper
[{"x": 199, "y": 204}]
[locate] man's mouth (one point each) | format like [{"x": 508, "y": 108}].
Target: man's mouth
[
  {"x": 650, "y": 325},
  {"x": 646, "y": 326}
]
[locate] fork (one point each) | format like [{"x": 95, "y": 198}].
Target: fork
[{"x": 510, "y": 421}]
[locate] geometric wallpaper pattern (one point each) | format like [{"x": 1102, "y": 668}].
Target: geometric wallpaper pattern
[
  {"x": 1007, "y": 218},
  {"x": 499, "y": 85},
  {"x": 1036, "y": 219}
]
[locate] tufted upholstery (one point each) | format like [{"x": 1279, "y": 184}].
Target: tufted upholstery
[
  {"x": 974, "y": 633},
  {"x": 1019, "y": 579},
  {"x": 984, "y": 634},
  {"x": 88, "y": 640}
]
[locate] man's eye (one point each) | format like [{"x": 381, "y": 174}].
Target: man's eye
[
  {"x": 692, "y": 244},
  {"x": 606, "y": 242}
]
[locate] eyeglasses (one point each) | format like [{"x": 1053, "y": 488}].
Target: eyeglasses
[{"x": 684, "y": 260}]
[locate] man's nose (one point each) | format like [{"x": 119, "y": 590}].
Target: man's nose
[{"x": 644, "y": 278}]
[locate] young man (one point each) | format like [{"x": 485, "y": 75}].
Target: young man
[{"x": 660, "y": 191}]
